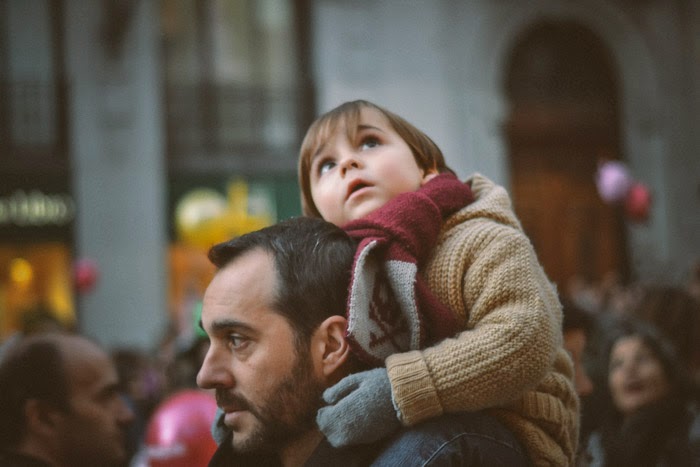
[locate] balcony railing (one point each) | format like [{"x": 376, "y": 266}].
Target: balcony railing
[
  {"x": 33, "y": 125},
  {"x": 227, "y": 122}
]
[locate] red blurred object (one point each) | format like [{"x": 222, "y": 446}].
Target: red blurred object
[
  {"x": 179, "y": 432},
  {"x": 638, "y": 203},
  {"x": 86, "y": 274}
]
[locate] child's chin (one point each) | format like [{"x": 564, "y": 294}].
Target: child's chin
[{"x": 364, "y": 209}]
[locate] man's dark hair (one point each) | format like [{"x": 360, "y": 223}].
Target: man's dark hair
[
  {"x": 32, "y": 368},
  {"x": 313, "y": 259}
]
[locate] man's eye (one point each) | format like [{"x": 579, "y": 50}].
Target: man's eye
[
  {"x": 237, "y": 340},
  {"x": 369, "y": 143}
]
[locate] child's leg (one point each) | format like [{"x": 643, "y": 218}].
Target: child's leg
[{"x": 470, "y": 439}]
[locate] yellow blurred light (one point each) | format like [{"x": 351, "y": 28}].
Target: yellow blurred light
[{"x": 21, "y": 271}]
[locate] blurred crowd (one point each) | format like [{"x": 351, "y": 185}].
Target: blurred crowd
[
  {"x": 636, "y": 348},
  {"x": 635, "y": 345},
  {"x": 171, "y": 417}
]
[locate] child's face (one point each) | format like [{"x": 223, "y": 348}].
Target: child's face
[{"x": 350, "y": 179}]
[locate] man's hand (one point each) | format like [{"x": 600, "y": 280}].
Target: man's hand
[{"x": 360, "y": 409}]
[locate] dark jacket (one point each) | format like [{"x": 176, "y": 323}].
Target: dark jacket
[{"x": 323, "y": 455}]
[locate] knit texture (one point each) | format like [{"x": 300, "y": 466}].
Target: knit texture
[
  {"x": 390, "y": 307},
  {"x": 509, "y": 356}
]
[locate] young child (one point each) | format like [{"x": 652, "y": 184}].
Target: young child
[{"x": 496, "y": 342}]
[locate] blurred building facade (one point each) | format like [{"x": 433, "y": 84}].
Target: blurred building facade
[{"x": 114, "y": 113}]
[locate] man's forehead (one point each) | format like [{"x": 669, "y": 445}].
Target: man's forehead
[{"x": 87, "y": 365}]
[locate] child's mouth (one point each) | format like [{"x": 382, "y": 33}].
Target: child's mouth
[{"x": 355, "y": 187}]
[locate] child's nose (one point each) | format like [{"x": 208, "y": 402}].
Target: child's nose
[{"x": 349, "y": 162}]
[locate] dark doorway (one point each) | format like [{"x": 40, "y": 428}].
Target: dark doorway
[{"x": 563, "y": 94}]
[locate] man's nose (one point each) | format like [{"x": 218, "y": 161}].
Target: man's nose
[
  {"x": 213, "y": 373},
  {"x": 125, "y": 414}
]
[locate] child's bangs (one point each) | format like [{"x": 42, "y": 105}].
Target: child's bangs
[{"x": 325, "y": 127}]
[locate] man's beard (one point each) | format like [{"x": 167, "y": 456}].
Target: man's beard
[{"x": 288, "y": 412}]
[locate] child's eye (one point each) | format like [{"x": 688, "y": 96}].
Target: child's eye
[
  {"x": 325, "y": 166},
  {"x": 369, "y": 142}
]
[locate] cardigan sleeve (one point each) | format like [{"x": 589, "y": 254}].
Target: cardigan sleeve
[{"x": 489, "y": 275}]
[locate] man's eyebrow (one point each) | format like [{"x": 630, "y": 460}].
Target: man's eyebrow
[{"x": 225, "y": 324}]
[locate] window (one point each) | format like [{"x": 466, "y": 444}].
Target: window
[{"x": 236, "y": 96}]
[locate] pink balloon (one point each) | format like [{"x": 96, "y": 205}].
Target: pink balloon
[
  {"x": 638, "y": 203},
  {"x": 179, "y": 431},
  {"x": 613, "y": 181}
]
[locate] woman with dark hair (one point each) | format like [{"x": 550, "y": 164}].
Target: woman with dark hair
[{"x": 650, "y": 420}]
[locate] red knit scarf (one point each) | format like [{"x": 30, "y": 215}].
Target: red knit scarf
[{"x": 390, "y": 307}]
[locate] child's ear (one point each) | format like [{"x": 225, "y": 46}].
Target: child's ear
[
  {"x": 429, "y": 175},
  {"x": 330, "y": 348}
]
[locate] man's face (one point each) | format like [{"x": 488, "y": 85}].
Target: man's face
[
  {"x": 267, "y": 387},
  {"x": 92, "y": 432}
]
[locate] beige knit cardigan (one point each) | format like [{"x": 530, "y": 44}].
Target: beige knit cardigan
[{"x": 509, "y": 357}]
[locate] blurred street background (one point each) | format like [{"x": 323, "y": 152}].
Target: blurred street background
[{"x": 136, "y": 133}]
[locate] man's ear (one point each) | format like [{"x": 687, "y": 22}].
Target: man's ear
[
  {"x": 42, "y": 418},
  {"x": 330, "y": 346}
]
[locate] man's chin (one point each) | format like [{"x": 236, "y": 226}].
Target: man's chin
[{"x": 247, "y": 442}]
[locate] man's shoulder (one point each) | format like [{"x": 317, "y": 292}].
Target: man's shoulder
[
  {"x": 323, "y": 455},
  {"x": 350, "y": 456}
]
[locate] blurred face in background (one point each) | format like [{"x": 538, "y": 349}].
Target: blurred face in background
[
  {"x": 636, "y": 376},
  {"x": 92, "y": 432}
]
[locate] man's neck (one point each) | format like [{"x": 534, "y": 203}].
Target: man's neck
[
  {"x": 37, "y": 449},
  {"x": 28, "y": 457},
  {"x": 297, "y": 452}
]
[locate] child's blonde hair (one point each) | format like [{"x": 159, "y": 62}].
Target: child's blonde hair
[{"x": 426, "y": 152}]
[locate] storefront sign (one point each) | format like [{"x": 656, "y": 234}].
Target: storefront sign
[{"x": 36, "y": 209}]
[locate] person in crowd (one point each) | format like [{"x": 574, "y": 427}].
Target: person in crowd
[
  {"x": 59, "y": 404},
  {"x": 577, "y": 327},
  {"x": 650, "y": 418},
  {"x": 478, "y": 324},
  {"x": 580, "y": 329},
  {"x": 676, "y": 314},
  {"x": 140, "y": 387},
  {"x": 275, "y": 314}
]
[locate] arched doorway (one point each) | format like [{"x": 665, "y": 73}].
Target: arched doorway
[{"x": 564, "y": 119}]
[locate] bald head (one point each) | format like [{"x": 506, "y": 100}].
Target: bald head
[{"x": 59, "y": 400}]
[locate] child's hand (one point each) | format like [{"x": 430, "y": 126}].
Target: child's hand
[
  {"x": 219, "y": 431},
  {"x": 360, "y": 409}
]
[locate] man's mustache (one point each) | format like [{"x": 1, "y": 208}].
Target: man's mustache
[{"x": 228, "y": 400}]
